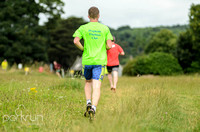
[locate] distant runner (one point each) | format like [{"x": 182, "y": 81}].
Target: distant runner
[
  {"x": 57, "y": 67},
  {"x": 113, "y": 63},
  {"x": 97, "y": 38},
  {"x": 4, "y": 65}
]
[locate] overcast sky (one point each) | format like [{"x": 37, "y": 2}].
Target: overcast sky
[{"x": 135, "y": 13}]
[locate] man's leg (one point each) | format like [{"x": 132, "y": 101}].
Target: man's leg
[
  {"x": 96, "y": 92},
  {"x": 95, "y": 97},
  {"x": 97, "y": 75},
  {"x": 115, "y": 76},
  {"x": 110, "y": 79},
  {"x": 87, "y": 71},
  {"x": 88, "y": 86}
]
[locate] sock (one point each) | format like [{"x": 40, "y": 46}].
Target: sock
[
  {"x": 89, "y": 101},
  {"x": 94, "y": 107}
]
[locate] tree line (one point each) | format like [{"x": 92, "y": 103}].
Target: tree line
[
  {"x": 135, "y": 40},
  {"x": 183, "y": 45},
  {"x": 23, "y": 40}
]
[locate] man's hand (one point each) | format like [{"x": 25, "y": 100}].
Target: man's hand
[
  {"x": 78, "y": 43},
  {"x": 122, "y": 53},
  {"x": 108, "y": 44}
]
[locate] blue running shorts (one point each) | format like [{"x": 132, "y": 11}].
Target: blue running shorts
[{"x": 93, "y": 72}]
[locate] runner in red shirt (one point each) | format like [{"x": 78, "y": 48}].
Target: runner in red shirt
[{"x": 113, "y": 63}]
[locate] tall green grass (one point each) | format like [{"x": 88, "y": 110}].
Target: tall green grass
[{"x": 149, "y": 103}]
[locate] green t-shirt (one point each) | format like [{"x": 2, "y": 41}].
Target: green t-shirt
[{"x": 95, "y": 36}]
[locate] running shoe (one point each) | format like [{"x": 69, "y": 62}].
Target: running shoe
[
  {"x": 91, "y": 114},
  {"x": 113, "y": 89},
  {"x": 88, "y": 107}
]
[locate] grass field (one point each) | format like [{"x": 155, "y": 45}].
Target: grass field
[{"x": 43, "y": 102}]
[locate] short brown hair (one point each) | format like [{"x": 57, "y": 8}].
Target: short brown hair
[{"x": 93, "y": 12}]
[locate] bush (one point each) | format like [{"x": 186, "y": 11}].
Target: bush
[
  {"x": 157, "y": 63},
  {"x": 194, "y": 68}
]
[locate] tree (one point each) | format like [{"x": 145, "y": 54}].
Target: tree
[
  {"x": 21, "y": 37},
  {"x": 188, "y": 48},
  {"x": 61, "y": 46},
  {"x": 124, "y": 28},
  {"x": 134, "y": 40},
  {"x": 185, "y": 50},
  {"x": 195, "y": 29},
  {"x": 163, "y": 41},
  {"x": 194, "y": 22}
]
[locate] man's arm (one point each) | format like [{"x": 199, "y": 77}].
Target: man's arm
[
  {"x": 78, "y": 43},
  {"x": 108, "y": 44},
  {"x": 122, "y": 53}
]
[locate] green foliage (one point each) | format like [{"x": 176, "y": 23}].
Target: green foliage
[
  {"x": 164, "y": 64},
  {"x": 124, "y": 28},
  {"x": 185, "y": 50},
  {"x": 155, "y": 63},
  {"x": 195, "y": 67},
  {"x": 195, "y": 29},
  {"x": 163, "y": 41},
  {"x": 137, "y": 66},
  {"x": 188, "y": 48},
  {"x": 134, "y": 40},
  {"x": 22, "y": 39},
  {"x": 61, "y": 47},
  {"x": 194, "y": 21},
  {"x": 128, "y": 68}
]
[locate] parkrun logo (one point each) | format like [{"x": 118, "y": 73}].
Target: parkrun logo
[{"x": 20, "y": 116}]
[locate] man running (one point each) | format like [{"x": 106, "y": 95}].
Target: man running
[
  {"x": 97, "y": 38},
  {"x": 113, "y": 63}
]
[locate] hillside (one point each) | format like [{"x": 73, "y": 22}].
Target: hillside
[{"x": 134, "y": 40}]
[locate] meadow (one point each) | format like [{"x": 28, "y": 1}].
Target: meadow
[{"x": 43, "y": 102}]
